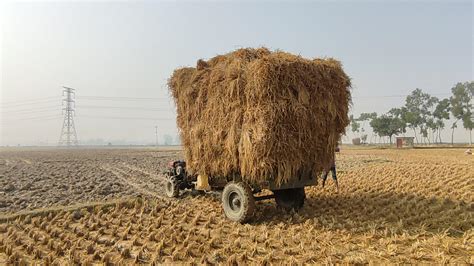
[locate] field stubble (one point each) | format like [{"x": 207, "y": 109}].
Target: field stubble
[{"x": 394, "y": 206}]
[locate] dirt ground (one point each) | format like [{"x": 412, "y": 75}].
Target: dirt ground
[
  {"x": 107, "y": 207},
  {"x": 41, "y": 178}
]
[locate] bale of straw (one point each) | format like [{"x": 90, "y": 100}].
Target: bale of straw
[{"x": 261, "y": 115}]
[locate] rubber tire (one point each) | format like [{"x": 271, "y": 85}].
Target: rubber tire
[
  {"x": 290, "y": 199},
  {"x": 247, "y": 207},
  {"x": 171, "y": 189}
]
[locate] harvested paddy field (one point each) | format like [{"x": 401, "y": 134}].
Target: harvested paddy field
[{"x": 108, "y": 207}]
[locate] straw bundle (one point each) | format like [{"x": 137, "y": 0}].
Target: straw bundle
[{"x": 261, "y": 115}]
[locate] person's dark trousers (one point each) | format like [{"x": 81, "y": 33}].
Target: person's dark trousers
[{"x": 334, "y": 176}]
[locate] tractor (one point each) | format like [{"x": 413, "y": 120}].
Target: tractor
[{"x": 238, "y": 196}]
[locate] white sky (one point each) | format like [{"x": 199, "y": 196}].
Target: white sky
[{"x": 125, "y": 49}]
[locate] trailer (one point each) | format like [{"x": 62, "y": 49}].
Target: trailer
[
  {"x": 253, "y": 120},
  {"x": 238, "y": 196}
]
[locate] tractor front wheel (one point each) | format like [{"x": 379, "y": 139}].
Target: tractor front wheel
[
  {"x": 171, "y": 188},
  {"x": 238, "y": 202}
]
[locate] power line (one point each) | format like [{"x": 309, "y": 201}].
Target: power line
[
  {"x": 128, "y": 98},
  {"x": 5, "y": 109},
  {"x": 124, "y": 118},
  {"x": 30, "y": 100},
  {"x": 29, "y": 104},
  {"x": 109, "y": 98},
  {"x": 121, "y": 107},
  {"x": 393, "y": 96},
  {"x": 27, "y": 111},
  {"x": 39, "y": 118}
]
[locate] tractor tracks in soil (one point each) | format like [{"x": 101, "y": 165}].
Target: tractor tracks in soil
[
  {"x": 147, "y": 184},
  {"x": 153, "y": 178}
]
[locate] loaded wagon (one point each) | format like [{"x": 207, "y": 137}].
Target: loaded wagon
[{"x": 257, "y": 119}]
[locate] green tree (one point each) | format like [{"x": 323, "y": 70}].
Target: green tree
[
  {"x": 399, "y": 113},
  {"x": 461, "y": 107},
  {"x": 412, "y": 112},
  {"x": 367, "y": 116},
  {"x": 364, "y": 117},
  {"x": 355, "y": 126},
  {"x": 453, "y": 126},
  {"x": 418, "y": 110},
  {"x": 387, "y": 125},
  {"x": 440, "y": 114},
  {"x": 431, "y": 125},
  {"x": 427, "y": 110}
]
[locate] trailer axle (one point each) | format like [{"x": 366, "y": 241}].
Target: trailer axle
[{"x": 264, "y": 197}]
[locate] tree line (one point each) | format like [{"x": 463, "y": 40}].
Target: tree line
[{"x": 423, "y": 114}]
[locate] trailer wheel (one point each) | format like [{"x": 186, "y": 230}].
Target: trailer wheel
[
  {"x": 171, "y": 188},
  {"x": 289, "y": 199},
  {"x": 238, "y": 202}
]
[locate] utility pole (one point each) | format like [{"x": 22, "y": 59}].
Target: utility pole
[
  {"x": 68, "y": 132},
  {"x": 156, "y": 135}
]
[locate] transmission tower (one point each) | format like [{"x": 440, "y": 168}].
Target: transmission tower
[{"x": 68, "y": 132}]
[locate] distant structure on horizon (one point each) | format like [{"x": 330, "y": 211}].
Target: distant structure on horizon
[
  {"x": 405, "y": 142},
  {"x": 68, "y": 135}
]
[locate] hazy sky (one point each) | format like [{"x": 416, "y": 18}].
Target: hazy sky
[{"x": 124, "y": 49}]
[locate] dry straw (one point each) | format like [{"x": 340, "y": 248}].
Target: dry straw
[{"x": 261, "y": 115}]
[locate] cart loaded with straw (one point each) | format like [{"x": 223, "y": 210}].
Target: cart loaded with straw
[{"x": 257, "y": 119}]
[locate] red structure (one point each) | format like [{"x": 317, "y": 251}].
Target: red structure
[{"x": 405, "y": 142}]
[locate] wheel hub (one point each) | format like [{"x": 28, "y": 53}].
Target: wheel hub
[{"x": 235, "y": 201}]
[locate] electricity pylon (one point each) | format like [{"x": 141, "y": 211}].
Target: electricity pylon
[{"x": 68, "y": 132}]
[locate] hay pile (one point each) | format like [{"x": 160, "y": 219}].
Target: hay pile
[{"x": 261, "y": 114}]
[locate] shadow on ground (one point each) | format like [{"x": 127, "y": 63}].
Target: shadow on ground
[{"x": 363, "y": 212}]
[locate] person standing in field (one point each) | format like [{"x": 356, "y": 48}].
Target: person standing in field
[{"x": 333, "y": 171}]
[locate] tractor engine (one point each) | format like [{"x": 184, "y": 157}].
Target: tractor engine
[{"x": 178, "y": 178}]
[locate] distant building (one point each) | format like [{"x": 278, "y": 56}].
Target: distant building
[
  {"x": 356, "y": 141},
  {"x": 405, "y": 142}
]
